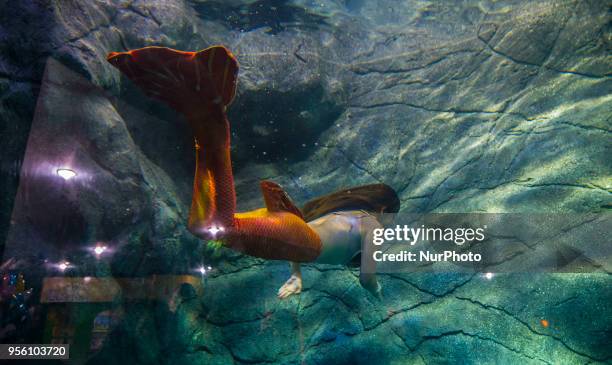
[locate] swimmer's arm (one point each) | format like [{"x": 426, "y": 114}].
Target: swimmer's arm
[{"x": 367, "y": 274}]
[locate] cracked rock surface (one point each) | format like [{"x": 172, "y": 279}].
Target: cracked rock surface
[{"x": 472, "y": 106}]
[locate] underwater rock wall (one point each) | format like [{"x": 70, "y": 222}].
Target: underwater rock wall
[
  {"x": 460, "y": 106},
  {"x": 454, "y": 118}
]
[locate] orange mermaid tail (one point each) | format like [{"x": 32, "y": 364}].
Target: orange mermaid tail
[{"x": 201, "y": 85}]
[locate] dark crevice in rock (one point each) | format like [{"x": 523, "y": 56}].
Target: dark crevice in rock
[
  {"x": 361, "y": 69},
  {"x": 472, "y": 335},
  {"x": 587, "y": 127},
  {"x": 439, "y": 110},
  {"x": 352, "y": 162},
  {"x": 529, "y": 327},
  {"x": 527, "y": 63},
  {"x": 429, "y": 292}
]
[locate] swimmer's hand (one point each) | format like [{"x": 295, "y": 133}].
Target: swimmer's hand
[
  {"x": 291, "y": 286},
  {"x": 369, "y": 282}
]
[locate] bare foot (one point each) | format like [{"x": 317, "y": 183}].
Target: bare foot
[{"x": 291, "y": 286}]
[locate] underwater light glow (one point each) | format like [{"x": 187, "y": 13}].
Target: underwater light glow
[
  {"x": 65, "y": 173},
  {"x": 215, "y": 229},
  {"x": 99, "y": 250},
  {"x": 203, "y": 270},
  {"x": 488, "y": 275},
  {"x": 64, "y": 265}
]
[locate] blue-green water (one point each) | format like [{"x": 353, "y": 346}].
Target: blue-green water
[{"x": 458, "y": 106}]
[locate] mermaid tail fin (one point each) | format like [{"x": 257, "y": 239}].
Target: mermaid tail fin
[
  {"x": 183, "y": 80},
  {"x": 375, "y": 198},
  {"x": 199, "y": 85},
  {"x": 277, "y": 200}
]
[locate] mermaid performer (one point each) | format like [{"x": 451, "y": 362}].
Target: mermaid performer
[{"x": 329, "y": 230}]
